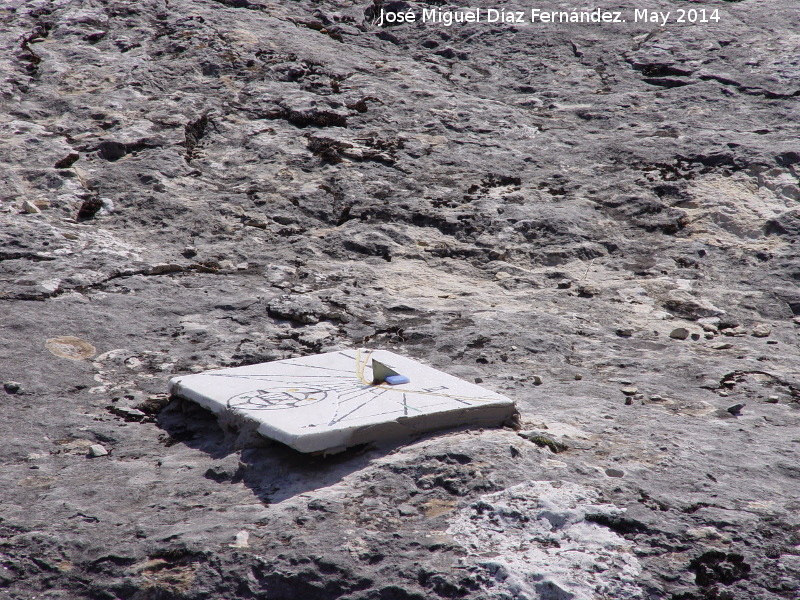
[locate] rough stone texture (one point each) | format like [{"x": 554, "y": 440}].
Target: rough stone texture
[{"x": 224, "y": 182}]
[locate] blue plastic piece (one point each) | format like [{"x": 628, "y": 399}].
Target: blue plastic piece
[{"x": 397, "y": 379}]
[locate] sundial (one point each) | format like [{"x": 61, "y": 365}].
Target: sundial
[{"x": 338, "y": 399}]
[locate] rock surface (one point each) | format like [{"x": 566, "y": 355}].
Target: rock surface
[{"x": 201, "y": 183}]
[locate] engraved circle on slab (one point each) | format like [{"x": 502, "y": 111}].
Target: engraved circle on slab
[{"x": 278, "y": 398}]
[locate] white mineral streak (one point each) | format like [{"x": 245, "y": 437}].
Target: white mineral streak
[{"x": 534, "y": 541}]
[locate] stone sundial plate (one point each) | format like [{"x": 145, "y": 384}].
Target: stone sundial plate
[{"x": 330, "y": 401}]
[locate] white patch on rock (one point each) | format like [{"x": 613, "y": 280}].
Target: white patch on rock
[
  {"x": 534, "y": 541},
  {"x": 241, "y": 540},
  {"x": 108, "y": 206}
]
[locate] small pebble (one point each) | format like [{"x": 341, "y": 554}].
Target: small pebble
[
  {"x": 734, "y": 332},
  {"x": 736, "y": 409},
  {"x": 96, "y": 450},
  {"x": 773, "y": 399},
  {"x": 624, "y": 332},
  {"x": 681, "y": 333},
  {"x": 629, "y": 391},
  {"x": 628, "y": 400},
  {"x": 30, "y": 208},
  {"x": 12, "y": 387},
  {"x": 578, "y": 376},
  {"x": 406, "y": 510},
  {"x": 536, "y": 380},
  {"x": 656, "y": 398},
  {"x": 128, "y": 413},
  {"x": 478, "y": 380},
  {"x": 721, "y": 346},
  {"x": 588, "y": 291},
  {"x": 615, "y": 472}
]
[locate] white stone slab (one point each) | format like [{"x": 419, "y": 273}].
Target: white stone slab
[{"x": 329, "y": 401}]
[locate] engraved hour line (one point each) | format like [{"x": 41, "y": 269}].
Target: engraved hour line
[
  {"x": 388, "y": 412},
  {"x": 347, "y": 390},
  {"x": 355, "y": 393},
  {"x": 334, "y": 420},
  {"x": 357, "y": 359},
  {"x": 325, "y": 383},
  {"x": 352, "y": 395},
  {"x": 344, "y": 388},
  {"x": 361, "y": 392},
  {"x": 340, "y": 389},
  {"x": 343, "y": 417},
  {"x": 320, "y": 368},
  {"x": 267, "y": 376},
  {"x": 350, "y": 390},
  {"x": 320, "y": 386}
]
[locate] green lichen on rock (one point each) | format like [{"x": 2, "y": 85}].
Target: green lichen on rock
[{"x": 544, "y": 441}]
